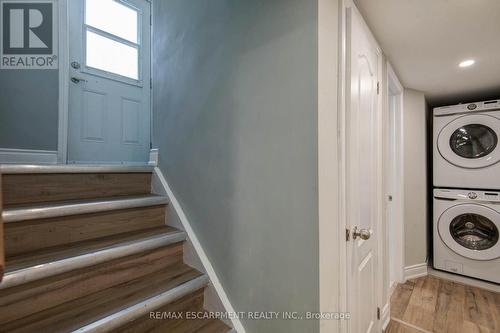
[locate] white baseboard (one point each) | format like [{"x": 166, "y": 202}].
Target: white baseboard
[
  {"x": 465, "y": 280},
  {"x": 385, "y": 316},
  {"x": 153, "y": 157},
  {"x": 193, "y": 240},
  {"x": 415, "y": 271},
  {"x": 27, "y": 156}
]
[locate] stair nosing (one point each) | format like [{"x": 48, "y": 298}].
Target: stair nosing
[
  {"x": 44, "y": 270},
  {"x": 119, "y": 318},
  {"x": 81, "y": 168},
  {"x": 58, "y": 209}
]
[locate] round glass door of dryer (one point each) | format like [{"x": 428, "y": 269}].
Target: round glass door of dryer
[
  {"x": 474, "y": 232},
  {"x": 471, "y": 141},
  {"x": 471, "y": 230}
]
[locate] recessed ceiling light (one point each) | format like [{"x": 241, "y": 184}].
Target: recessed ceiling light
[{"x": 466, "y": 63}]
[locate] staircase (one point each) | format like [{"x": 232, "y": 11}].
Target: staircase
[{"x": 87, "y": 250}]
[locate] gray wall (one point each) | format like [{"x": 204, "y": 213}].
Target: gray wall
[
  {"x": 29, "y": 109},
  {"x": 235, "y": 119},
  {"x": 415, "y": 176}
]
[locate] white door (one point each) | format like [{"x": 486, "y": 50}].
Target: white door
[
  {"x": 363, "y": 173},
  {"x": 109, "y": 96}
]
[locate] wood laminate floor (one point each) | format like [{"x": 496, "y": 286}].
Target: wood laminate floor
[{"x": 430, "y": 304}]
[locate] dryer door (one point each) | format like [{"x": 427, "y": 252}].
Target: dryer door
[
  {"x": 471, "y": 141},
  {"x": 471, "y": 230}
]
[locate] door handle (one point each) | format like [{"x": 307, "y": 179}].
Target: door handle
[
  {"x": 77, "y": 80},
  {"x": 364, "y": 234}
]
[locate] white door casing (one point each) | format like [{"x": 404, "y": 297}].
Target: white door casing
[
  {"x": 109, "y": 90},
  {"x": 363, "y": 172},
  {"x": 394, "y": 175}
]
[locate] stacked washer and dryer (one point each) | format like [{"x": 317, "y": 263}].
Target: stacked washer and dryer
[{"x": 466, "y": 222}]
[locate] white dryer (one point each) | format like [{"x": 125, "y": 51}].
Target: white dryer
[
  {"x": 466, "y": 145},
  {"x": 466, "y": 233}
]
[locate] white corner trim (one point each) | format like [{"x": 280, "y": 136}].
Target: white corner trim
[
  {"x": 415, "y": 271},
  {"x": 238, "y": 326},
  {"x": 27, "y": 156},
  {"x": 385, "y": 317},
  {"x": 63, "y": 103},
  {"x": 153, "y": 157}
]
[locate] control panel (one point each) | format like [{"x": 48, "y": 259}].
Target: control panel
[
  {"x": 469, "y": 195},
  {"x": 466, "y": 108}
]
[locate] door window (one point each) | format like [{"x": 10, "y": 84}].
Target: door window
[
  {"x": 474, "y": 231},
  {"x": 112, "y": 42},
  {"x": 473, "y": 141}
]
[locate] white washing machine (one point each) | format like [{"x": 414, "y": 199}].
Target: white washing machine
[
  {"x": 466, "y": 233},
  {"x": 466, "y": 146}
]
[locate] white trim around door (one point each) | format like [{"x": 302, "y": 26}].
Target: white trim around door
[
  {"x": 394, "y": 196},
  {"x": 331, "y": 232},
  {"x": 62, "y": 138}
]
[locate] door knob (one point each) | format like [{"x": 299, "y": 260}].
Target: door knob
[
  {"x": 364, "y": 234},
  {"x": 77, "y": 80}
]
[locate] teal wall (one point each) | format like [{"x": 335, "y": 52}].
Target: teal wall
[
  {"x": 29, "y": 109},
  {"x": 235, "y": 119}
]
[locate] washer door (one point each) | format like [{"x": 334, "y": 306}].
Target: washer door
[
  {"x": 471, "y": 231},
  {"x": 471, "y": 141}
]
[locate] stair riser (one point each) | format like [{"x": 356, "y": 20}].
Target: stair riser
[
  {"x": 31, "y": 188},
  {"x": 26, "y": 236},
  {"x": 27, "y": 299}
]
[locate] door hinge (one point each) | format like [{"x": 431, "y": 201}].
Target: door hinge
[
  {"x": 150, "y": 83},
  {"x": 347, "y": 235},
  {"x": 378, "y": 88},
  {"x": 378, "y": 313}
]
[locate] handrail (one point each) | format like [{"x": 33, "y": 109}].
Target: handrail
[{"x": 2, "y": 245}]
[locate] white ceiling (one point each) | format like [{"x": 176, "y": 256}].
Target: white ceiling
[{"x": 426, "y": 39}]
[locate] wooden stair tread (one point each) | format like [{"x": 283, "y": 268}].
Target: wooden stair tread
[
  {"x": 81, "y": 248},
  {"x": 40, "y": 210},
  {"x": 83, "y": 311},
  {"x": 9, "y": 169}
]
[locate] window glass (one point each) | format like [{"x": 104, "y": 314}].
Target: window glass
[
  {"x": 112, "y": 17},
  {"x": 473, "y": 141},
  {"x": 474, "y": 231},
  {"x": 111, "y": 56}
]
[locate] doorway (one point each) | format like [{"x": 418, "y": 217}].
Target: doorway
[
  {"x": 395, "y": 180},
  {"x": 109, "y": 113}
]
